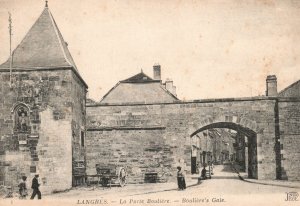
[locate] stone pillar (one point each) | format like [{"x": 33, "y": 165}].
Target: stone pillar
[
  {"x": 260, "y": 169},
  {"x": 266, "y": 159},
  {"x": 246, "y": 159}
]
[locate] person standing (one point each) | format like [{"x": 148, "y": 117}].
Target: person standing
[
  {"x": 212, "y": 168},
  {"x": 35, "y": 186},
  {"x": 180, "y": 179},
  {"x": 23, "y": 188},
  {"x": 203, "y": 173}
]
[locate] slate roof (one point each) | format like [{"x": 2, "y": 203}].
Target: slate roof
[
  {"x": 139, "y": 89},
  {"x": 42, "y": 47},
  {"x": 139, "y": 78},
  {"x": 291, "y": 91}
]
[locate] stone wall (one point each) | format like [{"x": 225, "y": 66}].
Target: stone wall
[
  {"x": 114, "y": 123},
  {"x": 44, "y": 144},
  {"x": 78, "y": 95},
  {"x": 54, "y": 147},
  {"x": 139, "y": 151},
  {"x": 289, "y": 118}
]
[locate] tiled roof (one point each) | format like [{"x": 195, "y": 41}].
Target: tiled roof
[{"x": 42, "y": 47}]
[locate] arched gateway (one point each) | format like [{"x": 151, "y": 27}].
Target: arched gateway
[
  {"x": 245, "y": 141},
  {"x": 154, "y": 138},
  {"x": 254, "y": 123}
]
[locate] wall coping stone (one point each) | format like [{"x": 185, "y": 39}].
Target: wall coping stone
[
  {"x": 126, "y": 128},
  {"x": 262, "y": 98}
]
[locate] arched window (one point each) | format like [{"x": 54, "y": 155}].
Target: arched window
[{"x": 21, "y": 115}]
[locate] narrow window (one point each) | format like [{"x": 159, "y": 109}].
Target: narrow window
[{"x": 82, "y": 138}]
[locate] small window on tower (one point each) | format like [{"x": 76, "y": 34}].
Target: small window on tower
[
  {"x": 32, "y": 169},
  {"x": 82, "y": 138}
]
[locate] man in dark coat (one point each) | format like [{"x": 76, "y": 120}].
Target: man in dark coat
[{"x": 35, "y": 186}]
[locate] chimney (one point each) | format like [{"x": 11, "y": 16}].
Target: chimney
[
  {"x": 271, "y": 86},
  {"x": 170, "y": 87},
  {"x": 156, "y": 72}
]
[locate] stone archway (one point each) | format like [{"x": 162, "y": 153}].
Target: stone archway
[
  {"x": 243, "y": 126},
  {"x": 224, "y": 119}
]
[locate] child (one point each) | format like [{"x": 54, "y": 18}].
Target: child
[{"x": 22, "y": 188}]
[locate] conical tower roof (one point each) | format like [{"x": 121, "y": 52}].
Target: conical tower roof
[{"x": 42, "y": 47}]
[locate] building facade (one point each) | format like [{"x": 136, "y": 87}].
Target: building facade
[{"x": 42, "y": 113}]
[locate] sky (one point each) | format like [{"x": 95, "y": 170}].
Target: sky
[{"x": 210, "y": 48}]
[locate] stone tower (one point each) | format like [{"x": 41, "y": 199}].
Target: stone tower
[{"x": 42, "y": 111}]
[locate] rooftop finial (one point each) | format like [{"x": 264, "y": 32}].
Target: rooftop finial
[
  {"x": 46, "y": 5},
  {"x": 10, "y": 53}
]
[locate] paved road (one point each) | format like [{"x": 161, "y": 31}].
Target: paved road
[
  {"x": 225, "y": 188},
  {"x": 225, "y": 181}
]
